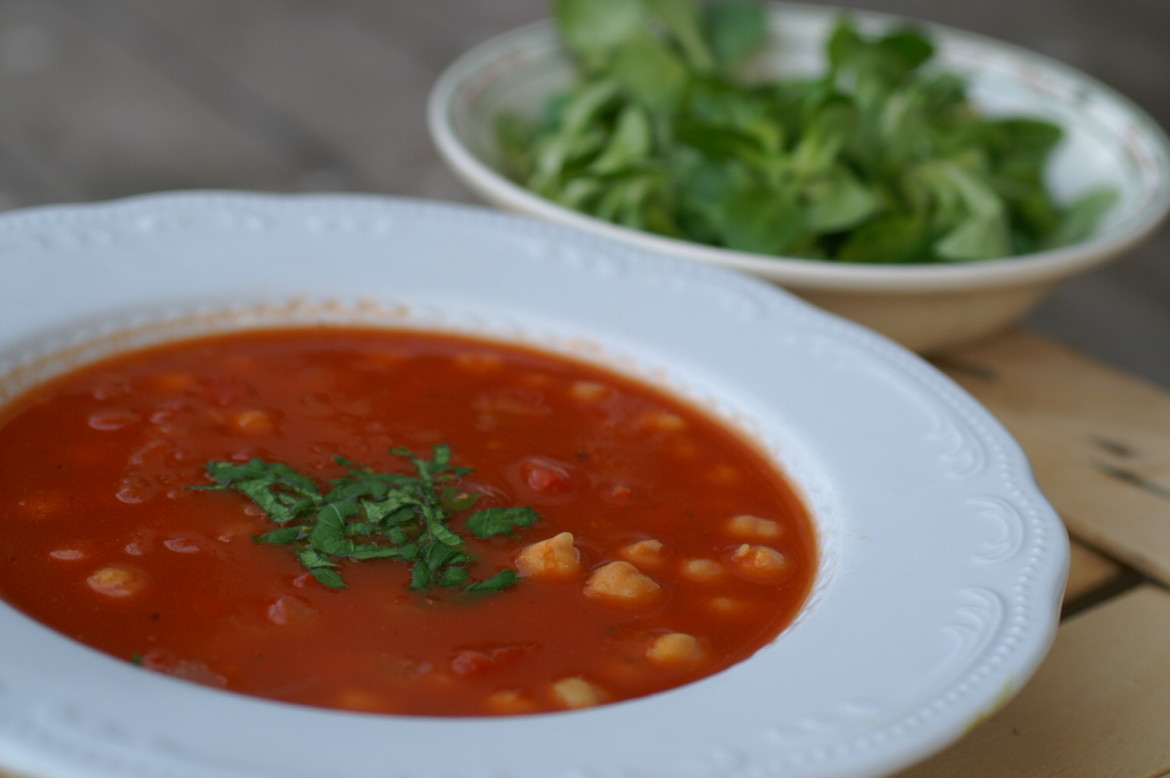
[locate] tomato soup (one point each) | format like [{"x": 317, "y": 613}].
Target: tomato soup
[{"x": 394, "y": 522}]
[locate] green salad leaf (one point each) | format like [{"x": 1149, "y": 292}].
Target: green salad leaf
[
  {"x": 883, "y": 158},
  {"x": 375, "y": 515}
]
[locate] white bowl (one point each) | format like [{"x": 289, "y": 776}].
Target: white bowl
[
  {"x": 927, "y": 308},
  {"x": 941, "y": 565}
]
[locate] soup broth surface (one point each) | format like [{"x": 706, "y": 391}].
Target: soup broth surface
[{"x": 667, "y": 547}]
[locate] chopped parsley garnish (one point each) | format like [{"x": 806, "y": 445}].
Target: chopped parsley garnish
[{"x": 373, "y": 515}]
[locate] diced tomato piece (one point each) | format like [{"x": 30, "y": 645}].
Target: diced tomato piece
[
  {"x": 167, "y": 663},
  {"x": 473, "y": 661},
  {"x": 544, "y": 476}
]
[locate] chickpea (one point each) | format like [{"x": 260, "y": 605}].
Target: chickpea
[
  {"x": 663, "y": 421},
  {"x": 648, "y": 553},
  {"x": 760, "y": 563},
  {"x": 728, "y": 606},
  {"x": 362, "y": 701},
  {"x": 701, "y": 570},
  {"x": 676, "y": 649},
  {"x": 588, "y": 391},
  {"x": 554, "y": 559},
  {"x": 578, "y": 693},
  {"x": 116, "y": 582},
  {"x": 748, "y": 527},
  {"x": 621, "y": 584},
  {"x": 251, "y": 422},
  {"x": 510, "y": 701}
]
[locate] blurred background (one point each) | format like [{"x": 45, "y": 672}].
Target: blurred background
[{"x": 108, "y": 98}]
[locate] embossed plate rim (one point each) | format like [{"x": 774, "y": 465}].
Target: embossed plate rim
[{"x": 942, "y": 570}]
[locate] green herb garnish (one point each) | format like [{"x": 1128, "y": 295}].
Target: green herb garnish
[
  {"x": 373, "y": 515},
  {"x": 881, "y": 159}
]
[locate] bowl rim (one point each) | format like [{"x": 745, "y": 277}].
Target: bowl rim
[{"x": 894, "y": 279}]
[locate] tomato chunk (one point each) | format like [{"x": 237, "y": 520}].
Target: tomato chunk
[
  {"x": 473, "y": 661},
  {"x": 544, "y": 476}
]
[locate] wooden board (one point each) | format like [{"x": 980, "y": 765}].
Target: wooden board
[
  {"x": 1098, "y": 440},
  {"x": 1098, "y": 708},
  {"x": 1090, "y": 573}
]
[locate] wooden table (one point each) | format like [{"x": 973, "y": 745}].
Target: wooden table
[{"x": 102, "y": 99}]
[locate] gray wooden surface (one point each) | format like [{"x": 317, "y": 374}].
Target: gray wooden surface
[{"x": 108, "y": 98}]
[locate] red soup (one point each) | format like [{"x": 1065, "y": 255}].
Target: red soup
[{"x": 394, "y": 522}]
